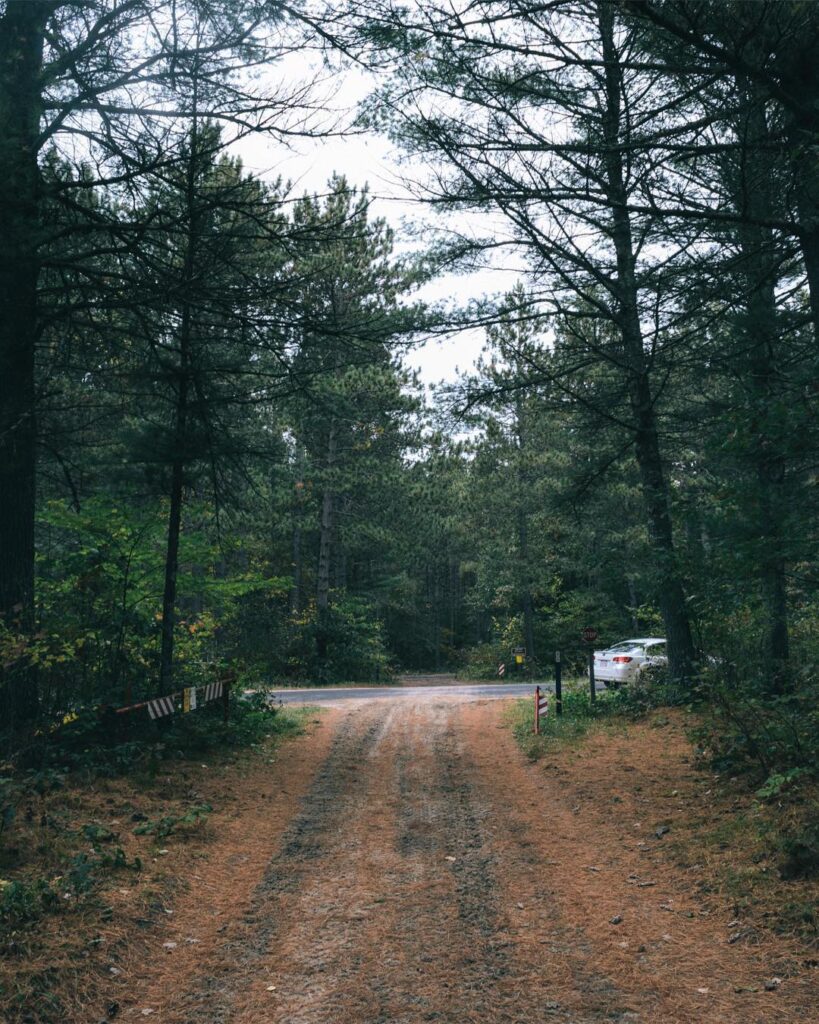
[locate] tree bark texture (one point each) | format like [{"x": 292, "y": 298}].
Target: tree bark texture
[
  {"x": 760, "y": 336},
  {"x": 171, "y": 573},
  {"x": 180, "y": 434},
  {"x": 801, "y": 79},
  {"x": 671, "y": 596},
  {"x": 22, "y": 28},
  {"x": 295, "y": 590},
  {"x": 523, "y": 485},
  {"x": 325, "y": 547}
]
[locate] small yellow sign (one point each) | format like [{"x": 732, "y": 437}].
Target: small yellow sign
[{"x": 518, "y": 659}]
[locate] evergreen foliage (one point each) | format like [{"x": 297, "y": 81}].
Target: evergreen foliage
[{"x": 212, "y": 453}]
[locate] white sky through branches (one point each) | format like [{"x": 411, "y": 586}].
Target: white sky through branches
[{"x": 370, "y": 159}]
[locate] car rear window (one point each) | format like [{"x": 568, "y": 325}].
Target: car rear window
[{"x": 624, "y": 647}]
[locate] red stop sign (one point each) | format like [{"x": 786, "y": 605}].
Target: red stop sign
[{"x": 590, "y": 635}]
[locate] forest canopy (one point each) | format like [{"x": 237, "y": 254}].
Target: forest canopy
[{"x": 213, "y": 452}]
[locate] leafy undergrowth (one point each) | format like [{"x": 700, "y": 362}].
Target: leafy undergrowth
[
  {"x": 83, "y": 841},
  {"x": 750, "y": 847}
]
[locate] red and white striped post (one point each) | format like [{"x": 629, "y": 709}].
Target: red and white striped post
[{"x": 541, "y": 708}]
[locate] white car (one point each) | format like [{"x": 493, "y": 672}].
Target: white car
[{"x": 623, "y": 662}]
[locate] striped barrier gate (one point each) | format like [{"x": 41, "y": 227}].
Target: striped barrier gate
[
  {"x": 190, "y": 698},
  {"x": 541, "y": 707},
  {"x": 186, "y": 700}
]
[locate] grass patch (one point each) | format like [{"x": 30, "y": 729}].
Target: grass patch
[{"x": 579, "y": 715}]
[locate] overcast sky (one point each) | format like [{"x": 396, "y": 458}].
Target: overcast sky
[{"x": 372, "y": 160}]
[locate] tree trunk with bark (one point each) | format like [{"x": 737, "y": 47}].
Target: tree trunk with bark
[
  {"x": 760, "y": 263},
  {"x": 295, "y": 590},
  {"x": 523, "y": 482},
  {"x": 671, "y": 596},
  {"x": 171, "y": 573},
  {"x": 181, "y": 412},
  {"x": 22, "y": 29},
  {"x": 325, "y": 547},
  {"x": 297, "y": 513}
]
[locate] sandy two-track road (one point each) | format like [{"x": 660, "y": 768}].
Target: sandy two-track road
[{"x": 403, "y": 864}]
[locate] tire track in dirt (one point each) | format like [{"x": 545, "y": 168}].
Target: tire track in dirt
[
  {"x": 566, "y": 874},
  {"x": 403, "y": 922},
  {"x": 491, "y": 981},
  {"x": 382, "y": 904},
  {"x": 417, "y": 883},
  {"x": 211, "y": 996}
]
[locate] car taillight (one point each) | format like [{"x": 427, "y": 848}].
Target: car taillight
[{"x": 621, "y": 659}]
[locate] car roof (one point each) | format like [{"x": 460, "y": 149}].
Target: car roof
[{"x": 641, "y": 640}]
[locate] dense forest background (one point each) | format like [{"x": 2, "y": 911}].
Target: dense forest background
[{"x": 212, "y": 453}]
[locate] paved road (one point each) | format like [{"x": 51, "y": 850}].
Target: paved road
[{"x": 458, "y": 692}]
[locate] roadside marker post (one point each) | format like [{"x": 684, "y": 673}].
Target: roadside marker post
[
  {"x": 590, "y": 635},
  {"x": 541, "y": 708},
  {"x": 501, "y": 670},
  {"x": 558, "y": 685}
]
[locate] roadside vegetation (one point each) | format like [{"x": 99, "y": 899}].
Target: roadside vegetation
[
  {"x": 751, "y": 820},
  {"x": 86, "y": 826}
]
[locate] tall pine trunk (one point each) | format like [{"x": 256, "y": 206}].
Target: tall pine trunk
[
  {"x": 523, "y": 484},
  {"x": 295, "y": 590},
  {"x": 760, "y": 263},
  {"x": 325, "y": 548},
  {"x": 22, "y": 29},
  {"x": 803, "y": 139},
  {"x": 297, "y": 512},
  {"x": 171, "y": 572},
  {"x": 181, "y": 411},
  {"x": 176, "y": 498},
  {"x": 671, "y": 596}
]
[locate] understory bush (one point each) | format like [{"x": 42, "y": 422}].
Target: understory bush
[
  {"x": 346, "y": 644},
  {"x": 100, "y": 582},
  {"x": 746, "y": 729},
  {"x": 96, "y": 746},
  {"x": 653, "y": 688},
  {"x": 483, "y": 661}
]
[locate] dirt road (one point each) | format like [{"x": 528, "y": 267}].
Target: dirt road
[{"x": 428, "y": 873}]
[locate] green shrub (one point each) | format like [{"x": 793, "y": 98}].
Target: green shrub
[
  {"x": 170, "y": 823},
  {"x": 746, "y": 729},
  {"x": 91, "y": 747},
  {"x": 800, "y": 852},
  {"x": 353, "y": 636},
  {"x": 653, "y": 688},
  {"x": 482, "y": 661},
  {"x": 23, "y": 902}
]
